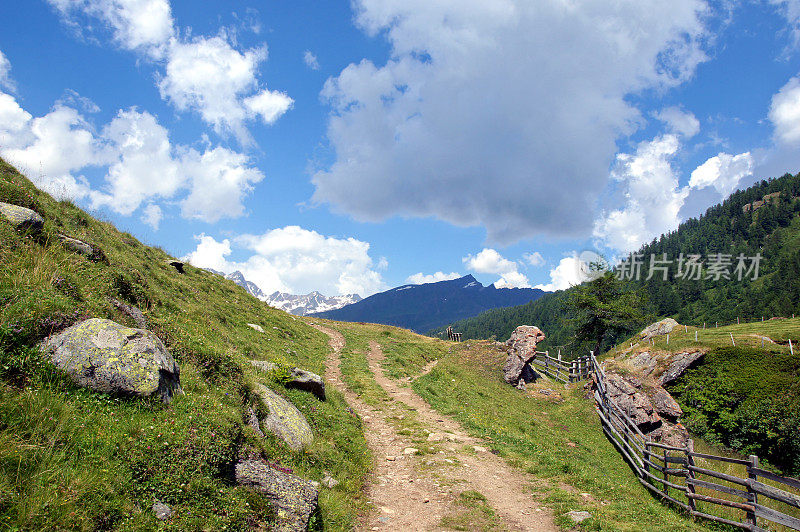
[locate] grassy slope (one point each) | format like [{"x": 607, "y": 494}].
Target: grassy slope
[
  {"x": 532, "y": 433},
  {"x": 72, "y": 458},
  {"x": 745, "y": 397}
]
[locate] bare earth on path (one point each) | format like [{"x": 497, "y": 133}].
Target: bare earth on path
[{"x": 407, "y": 496}]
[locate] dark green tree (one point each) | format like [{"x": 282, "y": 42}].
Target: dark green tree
[{"x": 603, "y": 311}]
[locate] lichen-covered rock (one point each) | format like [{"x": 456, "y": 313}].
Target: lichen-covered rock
[
  {"x": 645, "y": 362},
  {"x": 91, "y": 252},
  {"x": 131, "y": 311},
  {"x": 679, "y": 364},
  {"x": 162, "y": 511},
  {"x": 295, "y": 499},
  {"x": 21, "y": 218},
  {"x": 299, "y": 378},
  {"x": 284, "y": 420},
  {"x": 665, "y": 405},
  {"x": 658, "y": 328},
  {"x": 521, "y": 350},
  {"x": 108, "y": 357}
]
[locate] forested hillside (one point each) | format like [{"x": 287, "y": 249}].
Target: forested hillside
[{"x": 762, "y": 219}]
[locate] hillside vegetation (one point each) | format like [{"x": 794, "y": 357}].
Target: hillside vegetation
[
  {"x": 71, "y": 458},
  {"x": 761, "y": 219}
]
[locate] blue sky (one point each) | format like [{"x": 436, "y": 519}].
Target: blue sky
[{"x": 352, "y": 147}]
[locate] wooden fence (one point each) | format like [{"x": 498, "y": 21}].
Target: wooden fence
[
  {"x": 453, "y": 336},
  {"x": 676, "y": 475},
  {"x": 555, "y": 368}
]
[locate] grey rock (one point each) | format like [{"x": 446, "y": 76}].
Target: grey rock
[
  {"x": 645, "y": 361},
  {"x": 90, "y": 251},
  {"x": 252, "y": 421},
  {"x": 521, "y": 350},
  {"x": 295, "y": 499},
  {"x": 284, "y": 420},
  {"x": 679, "y": 364},
  {"x": 633, "y": 402},
  {"x": 162, "y": 511},
  {"x": 675, "y": 435},
  {"x": 658, "y": 328},
  {"x": 579, "y": 517},
  {"x": 665, "y": 405},
  {"x": 108, "y": 357},
  {"x": 21, "y": 218},
  {"x": 256, "y": 327},
  {"x": 131, "y": 311},
  {"x": 300, "y": 378},
  {"x": 329, "y": 482}
]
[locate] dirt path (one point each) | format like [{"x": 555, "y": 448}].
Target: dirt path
[{"x": 408, "y": 498}]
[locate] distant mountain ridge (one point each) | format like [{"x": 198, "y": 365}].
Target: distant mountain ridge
[
  {"x": 425, "y": 306},
  {"x": 299, "y": 305}
]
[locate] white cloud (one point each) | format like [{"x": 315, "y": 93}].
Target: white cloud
[
  {"x": 452, "y": 125},
  {"x": 490, "y": 261},
  {"x": 204, "y": 74},
  {"x": 5, "y": 73},
  {"x": 310, "y": 60},
  {"x": 723, "y": 172},
  {"x": 296, "y": 260},
  {"x": 679, "y": 121},
  {"x": 221, "y": 178},
  {"x": 144, "y": 25},
  {"x": 566, "y": 274},
  {"x": 421, "y": 278},
  {"x": 653, "y": 197},
  {"x": 142, "y": 165},
  {"x": 534, "y": 259},
  {"x": 791, "y": 10},
  {"x": 784, "y": 112},
  {"x": 151, "y": 215}
]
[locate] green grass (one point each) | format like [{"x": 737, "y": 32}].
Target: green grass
[
  {"x": 75, "y": 459},
  {"x": 470, "y": 511}
]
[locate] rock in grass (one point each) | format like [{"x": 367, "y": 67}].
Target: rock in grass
[
  {"x": 162, "y": 511},
  {"x": 299, "y": 378},
  {"x": 658, "y": 328},
  {"x": 91, "y": 252},
  {"x": 579, "y": 517},
  {"x": 295, "y": 499},
  {"x": 108, "y": 357},
  {"x": 284, "y": 420},
  {"x": 679, "y": 364},
  {"x": 178, "y": 265},
  {"x": 521, "y": 350},
  {"x": 256, "y": 327},
  {"x": 21, "y": 218}
]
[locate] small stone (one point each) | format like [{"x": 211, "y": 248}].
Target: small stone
[
  {"x": 410, "y": 450},
  {"x": 162, "y": 511},
  {"x": 426, "y": 501},
  {"x": 329, "y": 482},
  {"x": 435, "y": 436},
  {"x": 480, "y": 449},
  {"x": 579, "y": 517},
  {"x": 391, "y": 458},
  {"x": 572, "y": 444},
  {"x": 257, "y": 327},
  {"x": 178, "y": 265}
]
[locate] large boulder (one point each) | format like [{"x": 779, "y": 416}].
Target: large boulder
[
  {"x": 299, "y": 378},
  {"x": 21, "y": 218},
  {"x": 665, "y": 405},
  {"x": 295, "y": 499},
  {"x": 658, "y": 328},
  {"x": 679, "y": 364},
  {"x": 108, "y": 357},
  {"x": 284, "y": 420},
  {"x": 521, "y": 349}
]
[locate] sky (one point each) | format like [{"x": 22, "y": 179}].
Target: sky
[{"x": 353, "y": 147}]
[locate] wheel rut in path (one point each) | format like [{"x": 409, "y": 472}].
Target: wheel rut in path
[{"x": 405, "y": 496}]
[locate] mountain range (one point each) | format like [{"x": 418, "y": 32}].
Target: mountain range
[
  {"x": 299, "y": 305},
  {"x": 425, "y": 306}
]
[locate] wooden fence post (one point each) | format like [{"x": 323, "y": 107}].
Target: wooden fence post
[
  {"x": 732, "y": 341},
  {"x": 690, "y": 474},
  {"x": 791, "y": 349},
  {"x": 695, "y": 336},
  {"x": 573, "y": 371},
  {"x": 667, "y": 338},
  {"x": 737, "y": 320},
  {"x": 666, "y": 473},
  {"x": 752, "y": 496},
  {"x": 647, "y": 456}
]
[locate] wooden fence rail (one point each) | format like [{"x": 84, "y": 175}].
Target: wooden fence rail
[{"x": 673, "y": 473}]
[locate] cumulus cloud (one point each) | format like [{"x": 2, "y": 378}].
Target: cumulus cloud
[
  {"x": 144, "y": 25},
  {"x": 421, "y": 278},
  {"x": 6, "y": 81},
  {"x": 679, "y": 121},
  {"x": 296, "y": 260},
  {"x": 485, "y": 108},
  {"x": 784, "y": 112},
  {"x": 653, "y": 197},
  {"x": 490, "y": 261},
  {"x": 534, "y": 259},
  {"x": 141, "y": 164},
  {"x": 310, "y": 60},
  {"x": 207, "y": 75},
  {"x": 566, "y": 274},
  {"x": 723, "y": 172}
]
